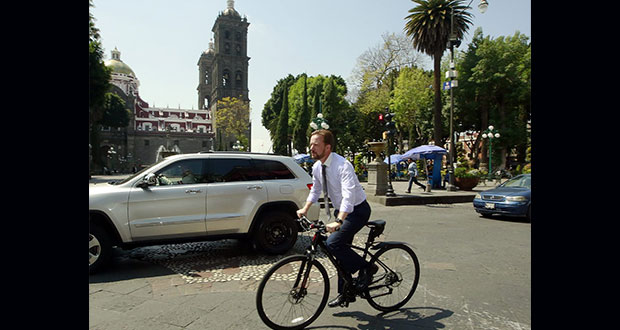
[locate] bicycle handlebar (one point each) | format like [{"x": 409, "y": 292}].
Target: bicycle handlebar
[{"x": 308, "y": 225}]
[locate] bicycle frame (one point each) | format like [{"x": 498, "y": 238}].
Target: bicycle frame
[{"x": 319, "y": 239}]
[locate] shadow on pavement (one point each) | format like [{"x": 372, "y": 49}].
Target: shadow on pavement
[
  {"x": 123, "y": 267},
  {"x": 208, "y": 261},
  {"x": 404, "y": 318}
]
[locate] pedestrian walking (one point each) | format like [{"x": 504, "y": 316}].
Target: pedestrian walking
[{"x": 413, "y": 173}]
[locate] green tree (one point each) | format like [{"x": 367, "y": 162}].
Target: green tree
[
  {"x": 321, "y": 94},
  {"x": 496, "y": 90},
  {"x": 429, "y": 24},
  {"x": 411, "y": 100},
  {"x": 98, "y": 73},
  {"x": 232, "y": 119},
  {"x": 370, "y": 104},
  {"x": 281, "y": 142},
  {"x": 115, "y": 114},
  {"x": 98, "y": 86},
  {"x": 331, "y": 108},
  {"x": 315, "y": 88},
  {"x": 300, "y": 131},
  {"x": 271, "y": 110}
]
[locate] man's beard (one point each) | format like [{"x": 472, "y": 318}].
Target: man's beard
[{"x": 318, "y": 156}]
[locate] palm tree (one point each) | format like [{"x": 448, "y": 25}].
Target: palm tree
[{"x": 429, "y": 24}]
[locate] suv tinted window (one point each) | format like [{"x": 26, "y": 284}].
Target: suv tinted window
[
  {"x": 230, "y": 170},
  {"x": 186, "y": 171},
  {"x": 272, "y": 170}
]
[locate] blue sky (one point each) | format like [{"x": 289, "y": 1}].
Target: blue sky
[{"x": 161, "y": 40}]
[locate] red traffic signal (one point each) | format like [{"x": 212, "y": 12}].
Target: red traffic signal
[{"x": 380, "y": 117}]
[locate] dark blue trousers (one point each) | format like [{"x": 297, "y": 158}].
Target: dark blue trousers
[{"x": 338, "y": 243}]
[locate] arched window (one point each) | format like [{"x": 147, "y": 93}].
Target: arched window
[
  {"x": 226, "y": 78},
  {"x": 238, "y": 79}
]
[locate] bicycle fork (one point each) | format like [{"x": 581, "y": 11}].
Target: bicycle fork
[{"x": 299, "y": 290}]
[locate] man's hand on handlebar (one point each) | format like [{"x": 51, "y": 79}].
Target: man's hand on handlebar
[
  {"x": 332, "y": 227},
  {"x": 307, "y": 224}
]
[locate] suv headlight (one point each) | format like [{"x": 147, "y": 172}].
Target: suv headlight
[{"x": 516, "y": 199}]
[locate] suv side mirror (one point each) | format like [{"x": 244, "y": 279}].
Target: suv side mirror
[{"x": 149, "y": 180}]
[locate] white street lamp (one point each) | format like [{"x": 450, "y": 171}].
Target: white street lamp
[
  {"x": 483, "y": 6},
  {"x": 453, "y": 41},
  {"x": 490, "y": 134}
]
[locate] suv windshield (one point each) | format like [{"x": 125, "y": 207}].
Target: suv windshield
[{"x": 134, "y": 175}]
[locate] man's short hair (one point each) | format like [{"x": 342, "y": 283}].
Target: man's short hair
[{"x": 328, "y": 137}]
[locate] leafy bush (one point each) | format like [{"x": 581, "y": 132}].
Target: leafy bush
[
  {"x": 466, "y": 172},
  {"x": 360, "y": 168}
]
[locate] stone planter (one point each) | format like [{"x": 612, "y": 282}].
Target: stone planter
[{"x": 466, "y": 183}]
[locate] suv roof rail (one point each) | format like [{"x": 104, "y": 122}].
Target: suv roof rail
[{"x": 237, "y": 152}]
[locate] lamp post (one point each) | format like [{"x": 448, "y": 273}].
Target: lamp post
[
  {"x": 454, "y": 41},
  {"x": 237, "y": 146},
  {"x": 111, "y": 153},
  {"x": 390, "y": 131},
  {"x": 491, "y": 133},
  {"x": 319, "y": 122}
]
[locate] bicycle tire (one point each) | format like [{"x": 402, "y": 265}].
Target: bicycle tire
[
  {"x": 405, "y": 266},
  {"x": 276, "y": 300}
]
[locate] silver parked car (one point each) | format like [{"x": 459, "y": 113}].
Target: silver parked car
[{"x": 203, "y": 196}]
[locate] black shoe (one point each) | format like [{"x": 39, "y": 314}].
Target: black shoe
[
  {"x": 365, "y": 276},
  {"x": 341, "y": 301}
]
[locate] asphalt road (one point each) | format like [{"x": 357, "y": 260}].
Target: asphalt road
[{"x": 475, "y": 274}]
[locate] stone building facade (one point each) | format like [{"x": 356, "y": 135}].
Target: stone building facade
[
  {"x": 223, "y": 68},
  {"x": 155, "y": 132},
  {"x": 152, "y": 132}
]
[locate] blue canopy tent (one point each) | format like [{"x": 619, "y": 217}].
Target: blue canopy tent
[
  {"x": 302, "y": 158},
  {"x": 429, "y": 152},
  {"x": 394, "y": 159}
]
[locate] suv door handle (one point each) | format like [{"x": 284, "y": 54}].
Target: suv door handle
[
  {"x": 255, "y": 187},
  {"x": 193, "y": 191}
]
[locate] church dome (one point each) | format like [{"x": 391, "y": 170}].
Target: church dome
[
  {"x": 230, "y": 9},
  {"x": 117, "y": 65}
]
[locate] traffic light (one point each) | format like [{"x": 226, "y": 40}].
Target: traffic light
[
  {"x": 381, "y": 118},
  {"x": 389, "y": 124}
]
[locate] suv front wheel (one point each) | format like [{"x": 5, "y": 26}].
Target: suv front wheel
[
  {"x": 276, "y": 233},
  {"x": 99, "y": 248}
]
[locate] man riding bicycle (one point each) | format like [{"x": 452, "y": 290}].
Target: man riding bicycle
[{"x": 334, "y": 175}]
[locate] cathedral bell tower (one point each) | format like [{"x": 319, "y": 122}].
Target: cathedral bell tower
[{"x": 223, "y": 68}]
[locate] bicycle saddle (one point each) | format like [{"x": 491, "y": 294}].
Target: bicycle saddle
[{"x": 376, "y": 228}]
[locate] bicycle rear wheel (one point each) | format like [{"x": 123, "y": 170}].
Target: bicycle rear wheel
[
  {"x": 396, "y": 280},
  {"x": 293, "y": 293}
]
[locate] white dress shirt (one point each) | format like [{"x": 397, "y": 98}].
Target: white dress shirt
[{"x": 343, "y": 187}]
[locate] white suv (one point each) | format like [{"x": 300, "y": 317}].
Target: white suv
[{"x": 204, "y": 196}]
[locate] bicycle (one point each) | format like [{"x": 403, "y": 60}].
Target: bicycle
[{"x": 295, "y": 290}]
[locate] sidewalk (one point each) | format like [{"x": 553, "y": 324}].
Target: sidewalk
[{"x": 418, "y": 196}]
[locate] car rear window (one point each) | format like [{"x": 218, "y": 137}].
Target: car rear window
[
  {"x": 272, "y": 170},
  {"x": 230, "y": 170}
]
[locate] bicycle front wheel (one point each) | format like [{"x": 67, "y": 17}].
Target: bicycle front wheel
[
  {"x": 396, "y": 280},
  {"x": 293, "y": 293}
]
